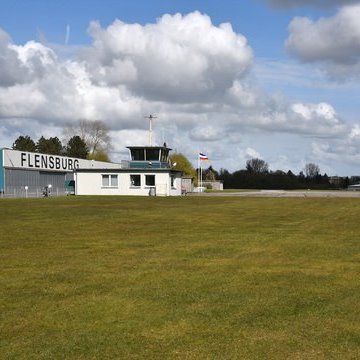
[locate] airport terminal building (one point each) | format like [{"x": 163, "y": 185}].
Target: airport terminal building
[{"x": 148, "y": 172}]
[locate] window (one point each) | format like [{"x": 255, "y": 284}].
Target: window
[
  {"x": 138, "y": 154},
  {"x": 173, "y": 182},
  {"x": 164, "y": 155},
  {"x": 152, "y": 154},
  {"x": 114, "y": 180},
  {"x": 150, "y": 180},
  {"x": 135, "y": 180},
  {"x": 109, "y": 181}
]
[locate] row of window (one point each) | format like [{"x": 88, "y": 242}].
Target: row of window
[
  {"x": 135, "y": 181},
  {"x": 150, "y": 154}
]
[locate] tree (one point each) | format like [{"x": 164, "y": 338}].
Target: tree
[
  {"x": 99, "y": 155},
  {"x": 257, "y": 166},
  {"x": 50, "y": 146},
  {"x": 210, "y": 174},
  {"x": 226, "y": 178},
  {"x": 24, "y": 143},
  {"x": 76, "y": 147},
  {"x": 290, "y": 174},
  {"x": 181, "y": 162},
  {"x": 311, "y": 170},
  {"x": 94, "y": 133},
  {"x": 301, "y": 177}
]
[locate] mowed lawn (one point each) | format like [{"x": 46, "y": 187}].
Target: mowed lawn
[{"x": 179, "y": 278}]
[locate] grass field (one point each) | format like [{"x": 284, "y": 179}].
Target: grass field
[{"x": 179, "y": 278}]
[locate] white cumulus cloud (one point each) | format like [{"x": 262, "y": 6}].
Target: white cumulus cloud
[
  {"x": 333, "y": 42},
  {"x": 181, "y": 58}
]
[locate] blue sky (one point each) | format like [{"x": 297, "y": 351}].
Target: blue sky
[
  {"x": 274, "y": 85},
  {"x": 24, "y": 19}
]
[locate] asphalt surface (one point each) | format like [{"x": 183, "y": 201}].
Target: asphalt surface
[{"x": 283, "y": 193}]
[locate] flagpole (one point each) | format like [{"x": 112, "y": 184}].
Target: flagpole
[
  {"x": 198, "y": 173},
  {"x": 201, "y": 158}
]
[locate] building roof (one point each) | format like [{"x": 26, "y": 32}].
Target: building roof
[
  {"x": 148, "y": 147},
  {"x": 129, "y": 170}
]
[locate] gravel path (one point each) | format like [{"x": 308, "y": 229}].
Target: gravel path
[{"x": 283, "y": 193}]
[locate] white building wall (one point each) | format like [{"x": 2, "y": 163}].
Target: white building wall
[{"x": 90, "y": 183}]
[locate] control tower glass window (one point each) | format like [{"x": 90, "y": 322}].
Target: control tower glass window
[
  {"x": 152, "y": 154},
  {"x": 164, "y": 155},
  {"x": 137, "y": 155}
]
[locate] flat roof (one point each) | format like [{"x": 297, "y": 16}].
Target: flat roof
[
  {"x": 148, "y": 147},
  {"x": 128, "y": 170}
]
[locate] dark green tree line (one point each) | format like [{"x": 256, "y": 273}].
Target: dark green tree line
[
  {"x": 75, "y": 147},
  {"x": 258, "y": 176}
]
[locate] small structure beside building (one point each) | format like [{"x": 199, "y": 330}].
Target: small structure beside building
[
  {"x": 187, "y": 184},
  {"x": 213, "y": 185},
  {"x": 336, "y": 181}
]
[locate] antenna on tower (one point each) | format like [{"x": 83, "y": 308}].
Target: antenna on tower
[{"x": 150, "y": 117}]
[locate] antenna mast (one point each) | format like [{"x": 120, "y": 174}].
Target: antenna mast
[{"x": 150, "y": 117}]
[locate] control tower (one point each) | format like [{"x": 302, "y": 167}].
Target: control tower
[{"x": 147, "y": 157}]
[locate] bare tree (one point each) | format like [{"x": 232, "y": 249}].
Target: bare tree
[
  {"x": 312, "y": 170},
  {"x": 95, "y": 134},
  {"x": 257, "y": 166}
]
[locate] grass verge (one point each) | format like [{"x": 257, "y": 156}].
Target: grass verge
[{"x": 179, "y": 278}]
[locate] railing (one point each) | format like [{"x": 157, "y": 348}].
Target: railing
[
  {"x": 125, "y": 164},
  {"x": 139, "y": 164},
  {"x": 20, "y": 192}
]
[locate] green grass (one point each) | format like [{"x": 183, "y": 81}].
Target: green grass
[{"x": 179, "y": 278}]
